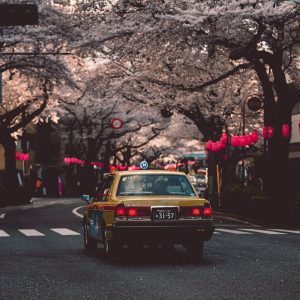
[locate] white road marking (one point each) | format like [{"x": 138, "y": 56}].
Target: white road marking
[
  {"x": 233, "y": 231},
  {"x": 64, "y": 231},
  {"x": 76, "y": 213},
  {"x": 3, "y": 233},
  {"x": 262, "y": 231},
  {"x": 287, "y": 231},
  {"x": 31, "y": 232},
  {"x": 215, "y": 232},
  {"x": 2, "y": 216}
]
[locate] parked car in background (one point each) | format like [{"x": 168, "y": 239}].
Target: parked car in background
[
  {"x": 152, "y": 207},
  {"x": 201, "y": 184},
  {"x": 199, "y": 181}
]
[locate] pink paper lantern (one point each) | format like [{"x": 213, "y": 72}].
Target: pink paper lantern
[
  {"x": 216, "y": 146},
  {"x": 233, "y": 140},
  {"x": 265, "y": 132},
  {"x": 254, "y": 136},
  {"x": 219, "y": 145},
  {"x": 285, "y": 130},
  {"x": 238, "y": 141},
  {"x": 223, "y": 139},
  {"x": 268, "y": 132},
  {"x": 208, "y": 145},
  {"x": 243, "y": 141},
  {"x": 248, "y": 139}
]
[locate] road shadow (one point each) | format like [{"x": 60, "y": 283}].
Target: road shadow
[{"x": 150, "y": 257}]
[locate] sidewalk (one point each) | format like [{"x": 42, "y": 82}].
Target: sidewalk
[
  {"x": 36, "y": 202},
  {"x": 282, "y": 223}
]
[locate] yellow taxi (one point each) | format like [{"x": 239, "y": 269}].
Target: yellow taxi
[{"x": 147, "y": 207}]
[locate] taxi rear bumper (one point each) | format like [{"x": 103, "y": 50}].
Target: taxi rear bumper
[{"x": 162, "y": 232}]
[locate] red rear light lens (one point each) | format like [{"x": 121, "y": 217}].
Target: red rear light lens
[
  {"x": 138, "y": 211},
  {"x": 120, "y": 211},
  {"x": 132, "y": 212},
  {"x": 188, "y": 212},
  {"x": 144, "y": 211},
  {"x": 207, "y": 212},
  {"x": 196, "y": 212}
]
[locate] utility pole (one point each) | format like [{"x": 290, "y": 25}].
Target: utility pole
[{"x": 243, "y": 133}]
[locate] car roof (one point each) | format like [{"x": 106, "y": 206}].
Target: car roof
[{"x": 140, "y": 172}]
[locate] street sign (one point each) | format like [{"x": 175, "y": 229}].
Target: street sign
[
  {"x": 18, "y": 14},
  {"x": 144, "y": 165},
  {"x": 116, "y": 123}
]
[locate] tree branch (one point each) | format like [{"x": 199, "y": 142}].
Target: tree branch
[{"x": 203, "y": 85}]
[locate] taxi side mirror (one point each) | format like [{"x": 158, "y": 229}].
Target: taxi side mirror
[{"x": 86, "y": 198}]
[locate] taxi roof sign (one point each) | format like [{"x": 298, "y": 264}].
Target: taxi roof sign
[{"x": 144, "y": 165}]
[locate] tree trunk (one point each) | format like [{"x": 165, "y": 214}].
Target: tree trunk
[
  {"x": 89, "y": 179},
  {"x": 10, "y": 178},
  {"x": 276, "y": 179}
]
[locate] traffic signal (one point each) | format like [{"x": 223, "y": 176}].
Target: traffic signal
[{"x": 18, "y": 14}]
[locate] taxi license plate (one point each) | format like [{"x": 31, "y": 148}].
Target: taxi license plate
[{"x": 164, "y": 213}]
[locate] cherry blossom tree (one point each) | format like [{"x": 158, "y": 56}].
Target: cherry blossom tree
[
  {"x": 86, "y": 119},
  {"x": 236, "y": 35},
  {"x": 32, "y": 68}
]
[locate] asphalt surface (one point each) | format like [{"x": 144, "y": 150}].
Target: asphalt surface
[{"x": 42, "y": 257}]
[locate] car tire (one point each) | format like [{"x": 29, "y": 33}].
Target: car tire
[
  {"x": 110, "y": 247},
  {"x": 195, "y": 251},
  {"x": 90, "y": 244}
]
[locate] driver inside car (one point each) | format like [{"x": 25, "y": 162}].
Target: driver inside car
[{"x": 161, "y": 187}]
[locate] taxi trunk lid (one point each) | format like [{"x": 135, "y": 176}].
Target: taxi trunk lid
[{"x": 167, "y": 200}]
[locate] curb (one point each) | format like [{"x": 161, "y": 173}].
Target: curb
[{"x": 253, "y": 222}]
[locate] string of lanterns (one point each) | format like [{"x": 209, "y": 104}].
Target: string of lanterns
[
  {"x": 22, "y": 156},
  {"x": 268, "y": 131},
  {"x": 77, "y": 161},
  {"x": 246, "y": 140}
]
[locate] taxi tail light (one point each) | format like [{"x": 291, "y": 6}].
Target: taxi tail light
[
  {"x": 207, "y": 211},
  {"x": 132, "y": 211},
  {"x": 138, "y": 211},
  {"x": 120, "y": 211},
  {"x": 196, "y": 212},
  {"x": 186, "y": 212}
]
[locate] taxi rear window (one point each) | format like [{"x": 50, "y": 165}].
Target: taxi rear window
[{"x": 154, "y": 184}]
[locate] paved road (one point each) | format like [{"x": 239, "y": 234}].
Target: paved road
[{"x": 42, "y": 257}]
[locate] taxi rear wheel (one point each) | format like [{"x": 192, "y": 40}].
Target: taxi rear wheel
[
  {"x": 110, "y": 247},
  {"x": 89, "y": 243}
]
